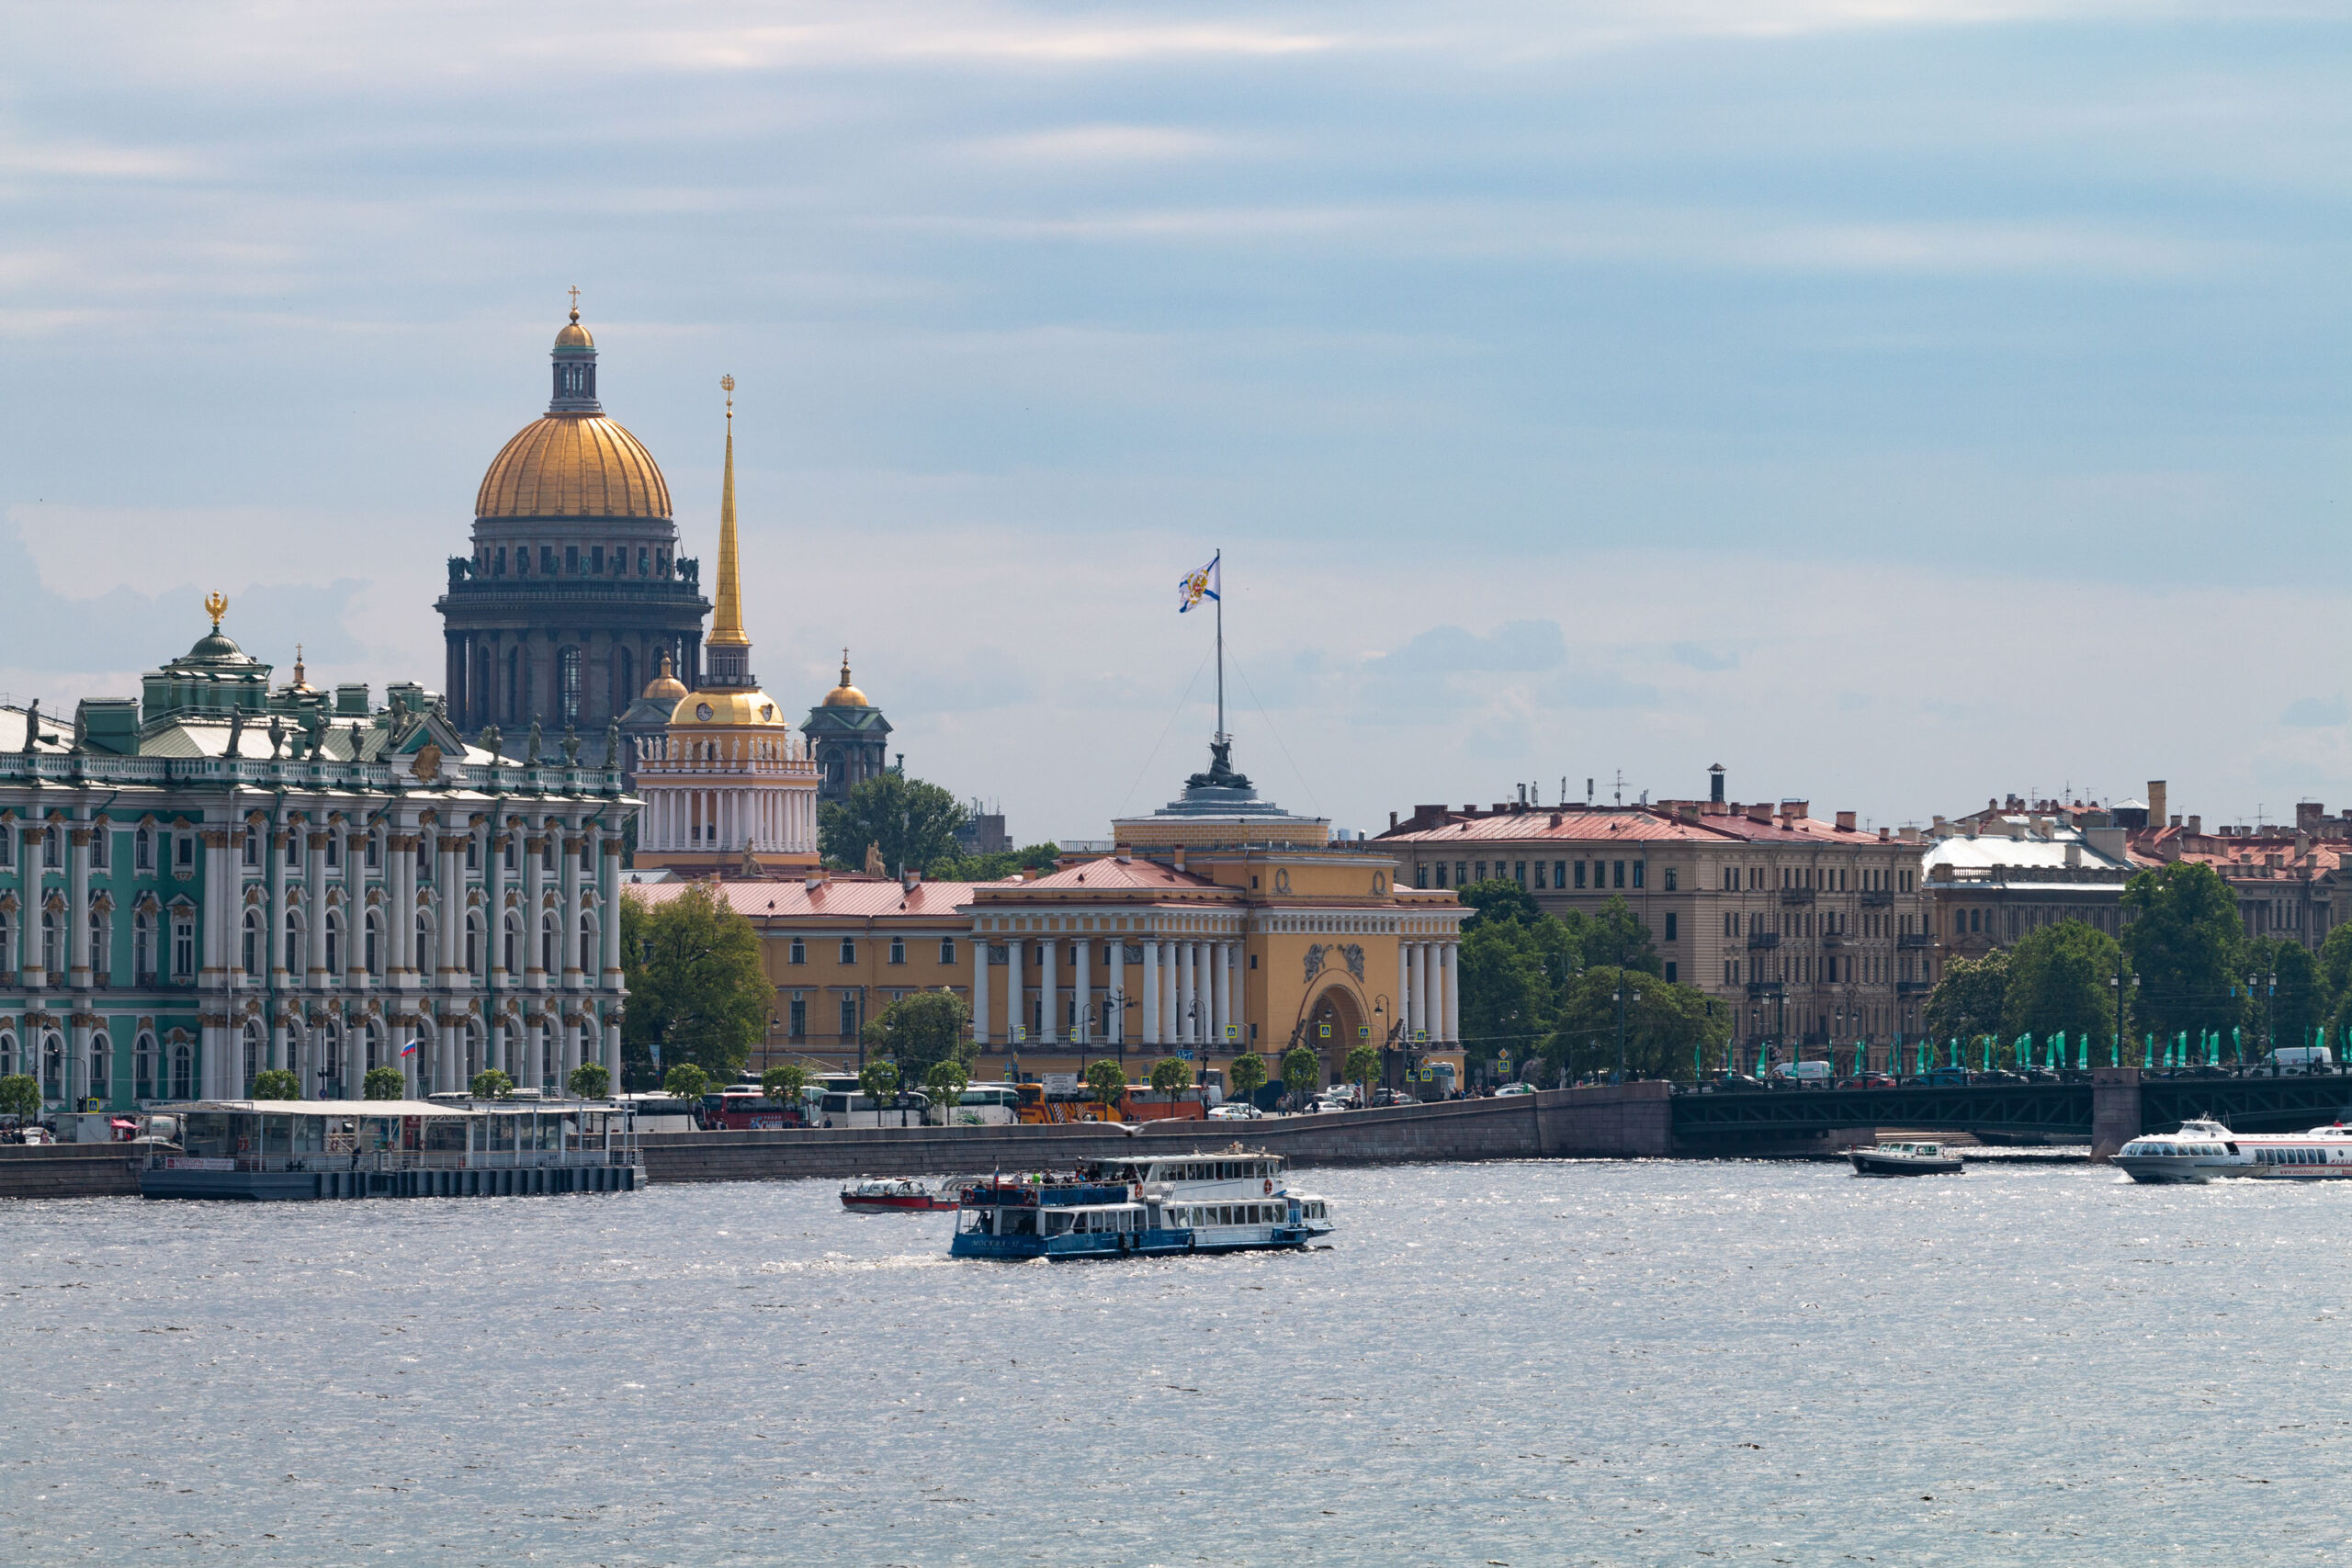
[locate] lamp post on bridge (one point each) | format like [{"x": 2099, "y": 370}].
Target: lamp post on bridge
[{"x": 2120, "y": 982}]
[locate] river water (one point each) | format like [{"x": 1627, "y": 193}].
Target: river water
[{"x": 1512, "y": 1363}]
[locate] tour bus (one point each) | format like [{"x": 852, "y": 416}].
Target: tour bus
[
  {"x": 988, "y": 1105},
  {"x": 840, "y": 1102},
  {"x": 739, "y": 1109}
]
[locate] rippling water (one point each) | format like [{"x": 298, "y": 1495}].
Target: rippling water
[{"x": 1508, "y": 1363}]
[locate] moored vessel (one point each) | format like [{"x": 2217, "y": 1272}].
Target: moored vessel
[
  {"x": 1905, "y": 1159},
  {"x": 1229, "y": 1201},
  {"x": 896, "y": 1195}
]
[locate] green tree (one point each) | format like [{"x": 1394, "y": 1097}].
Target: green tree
[
  {"x": 1498, "y": 899},
  {"x": 685, "y": 1081},
  {"x": 1972, "y": 999},
  {"x": 2057, "y": 979},
  {"x": 914, "y": 823},
  {"x": 954, "y": 868},
  {"x": 879, "y": 1080},
  {"x": 1668, "y": 1026},
  {"x": 1302, "y": 1071},
  {"x": 2289, "y": 1013},
  {"x": 276, "y": 1083},
  {"x": 1171, "y": 1076},
  {"x": 1107, "y": 1082},
  {"x": 697, "y": 985},
  {"x": 947, "y": 1081},
  {"x": 493, "y": 1084},
  {"x": 590, "y": 1080},
  {"x": 1363, "y": 1066},
  {"x": 922, "y": 1031},
  {"x": 383, "y": 1083},
  {"x": 1507, "y": 989},
  {"x": 20, "y": 1097},
  {"x": 2184, "y": 937},
  {"x": 1613, "y": 936},
  {"x": 1246, "y": 1075},
  {"x": 782, "y": 1084}
]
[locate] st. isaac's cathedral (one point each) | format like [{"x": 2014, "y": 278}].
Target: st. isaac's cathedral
[{"x": 575, "y": 610}]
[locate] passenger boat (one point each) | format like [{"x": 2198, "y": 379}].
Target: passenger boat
[
  {"x": 2202, "y": 1151},
  {"x": 895, "y": 1195},
  {"x": 2323, "y": 1154},
  {"x": 1147, "y": 1204},
  {"x": 1905, "y": 1159},
  {"x": 391, "y": 1148}
]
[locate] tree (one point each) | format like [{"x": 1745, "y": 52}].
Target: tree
[
  {"x": 1613, "y": 935},
  {"x": 1171, "y": 1076},
  {"x": 1668, "y": 1030},
  {"x": 1247, "y": 1074},
  {"x": 685, "y": 1081},
  {"x": 493, "y": 1084},
  {"x": 1507, "y": 991},
  {"x": 920, "y": 1031},
  {"x": 1971, "y": 998},
  {"x": 2184, "y": 938},
  {"x": 383, "y": 1083},
  {"x": 782, "y": 1084},
  {"x": 1107, "y": 1081},
  {"x": 2057, "y": 981},
  {"x": 2287, "y": 1014},
  {"x": 947, "y": 1081},
  {"x": 954, "y": 867},
  {"x": 1302, "y": 1071},
  {"x": 880, "y": 1082},
  {"x": 697, "y": 985},
  {"x": 590, "y": 1080},
  {"x": 1498, "y": 899},
  {"x": 1363, "y": 1065},
  {"x": 20, "y": 1097},
  {"x": 914, "y": 822},
  {"x": 276, "y": 1083}
]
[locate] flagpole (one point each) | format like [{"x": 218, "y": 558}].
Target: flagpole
[{"x": 1213, "y": 561}]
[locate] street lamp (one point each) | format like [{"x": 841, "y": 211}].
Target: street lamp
[
  {"x": 1621, "y": 995},
  {"x": 2119, "y": 983}
]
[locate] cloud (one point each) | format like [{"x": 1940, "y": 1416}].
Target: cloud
[
  {"x": 1515, "y": 647},
  {"x": 2312, "y": 713},
  {"x": 1696, "y": 656}
]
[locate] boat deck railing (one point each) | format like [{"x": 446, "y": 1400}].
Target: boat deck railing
[{"x": 408, "y": 1160}]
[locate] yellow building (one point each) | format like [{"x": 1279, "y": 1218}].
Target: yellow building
[{"x": 728, "y": 787}]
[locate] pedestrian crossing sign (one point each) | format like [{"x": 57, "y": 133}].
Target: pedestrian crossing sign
[{"x": 1363, "y": 1031}]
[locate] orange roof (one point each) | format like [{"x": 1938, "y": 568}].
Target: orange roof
[
  {"x": 1628, "y": 825},
  {"x": 842, "y": 897}
]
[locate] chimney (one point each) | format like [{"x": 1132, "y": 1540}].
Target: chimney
[
  {"x": 2156, "y": 818},
  {"x": 1845, "y": 821},
  {"x": 2176, "y": 821},
  {"x": 1797, "y": 811},
  {"x": 2073, "y": 855},
  {"x": 1392, "y": 821},
  {"x": 2196, "y": 825},
  {"x": 909, "y": 879},
  {"x": 1760, "y": 812},
  {"x": 1715, "y": 783},
  {"x": 2307, "y": 816},
  {"x": 1882, "y": 835},
  {"x": 1179, "y": 857}
]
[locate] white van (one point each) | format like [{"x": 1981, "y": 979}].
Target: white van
[
  {"x": 1816, "y": 1074},
  {"x": 2300, "y": 1059}
]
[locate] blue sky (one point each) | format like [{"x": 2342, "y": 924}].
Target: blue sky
[{"x": 1897, "y": 403}]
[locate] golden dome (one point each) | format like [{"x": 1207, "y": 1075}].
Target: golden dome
[
  {"x": 845, "y": 696},
  {"x": 741, "y": 707},
  {"x": 665, "y": 684},
  {"x": 574, "y": 336},
  {"x": 574, "y": 465}
]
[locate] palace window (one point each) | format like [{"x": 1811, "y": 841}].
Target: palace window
[
  {"x": 373, "y": 856},
  {"x": 547, "y": 944},
  {"x": 183, "y": 949},
  {"x": 101, "y": 961},
  {"x": 294, "y": 837},
  {"x": 371, "y": 957},
  {"x": 143, "y": 1068},
  {"x": 799, "y": 954},
  {"x": 335, "y": 851},
  {"x": 947, "y": 950},
  {"x": 53, "y": 848},
  {"x": 897, "y": 950},
  {"x": 184, "y": 851},
  {"x": 53, "y": 945},
  {"x": 849, "y": 951},
  {"x": 99, "y": 838},
  {"x": 474, "y": 949},
  {"x": 568, "y": 682},
  {"x": 334, "y": 946},
  {"x": 1671, "y": 878},
  {"x": 1671, "y": 926},
  {"x": 797, "y": 1015},
  {"x": 849, "y": 1018},
  {"x": 473, "y": 852},
  {"x": 183, "y": 1072},
  {"x": 8, "y": 842},
  {"x": 508, "y": 942},
  {"x": 596, "y": 559}
]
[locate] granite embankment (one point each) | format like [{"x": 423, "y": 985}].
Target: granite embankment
[{"x": 70, "y": 1170}]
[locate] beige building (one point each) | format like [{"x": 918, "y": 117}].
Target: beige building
[{"x": 1804, "y": 931}]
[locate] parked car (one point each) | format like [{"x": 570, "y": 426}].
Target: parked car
[
  {"x": 1998, "y": 1075},
  {"x": 1236, "y": 1111},
  {"x": 1869, "y": 1080},
  {"x": 1515, "y": 1089},
  {"x": 1381, "y": 1097},
  {"x": 1954, "y": 1075},
  {"x": 1731, "y": 1083}
]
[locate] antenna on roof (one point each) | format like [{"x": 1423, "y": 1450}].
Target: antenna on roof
[{"x": 1621, "y": 786}]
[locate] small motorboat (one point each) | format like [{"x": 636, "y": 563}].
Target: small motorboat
[
  {"x": 896, "y": 1195},
  {"x": 1905, "y": 1159}
]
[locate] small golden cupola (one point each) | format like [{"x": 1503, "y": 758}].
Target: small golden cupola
[{"x": 846, "y": 695}]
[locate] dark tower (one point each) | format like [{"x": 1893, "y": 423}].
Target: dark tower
[{"x": 576, "y": 589}]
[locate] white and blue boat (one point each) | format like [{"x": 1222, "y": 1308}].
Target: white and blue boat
[{"x": 1149, "y": 1205}]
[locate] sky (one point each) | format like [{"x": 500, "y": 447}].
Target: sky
[{"x": 1901, "y": 402}]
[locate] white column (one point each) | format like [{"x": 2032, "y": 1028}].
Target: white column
[
  {"x": 1050, "y": 1013},
  {"x": 1422, "y": 1019},
  {"x": 78, "y": 958},
  {"x": 1403, "y": 1014},
  {"x": 1114, "y": 1018},
  {"x": 399, "y": 909},
  {"x": 613, "y": 1053},
  {"x": 315, "y": 965},
  {"x": 1083, "y": 996},
  {"x": 568, "y": 929},
  {"x": 274, "y": 932},
  {"x": 1172, "y": 1013},
  {"x": 493, "y": 889},
  {"x": 1220, "y": 996},
  {"x": 450, "y": 887},
  {"x": 1185, "y": 1022},
  {"x": 533, "y": 896},
  {"x": 980, "y": 989},
  {"x": 1450, "y": 976},
  {"x": 1150, "y": 994},
  {"x": 608, "y": 910},
  {"x": 354, "y": 925},
  {"x": 1016, "y": 1004}
]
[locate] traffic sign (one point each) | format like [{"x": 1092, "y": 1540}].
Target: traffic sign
[
  {"x": 1363, "y": 1031},
  {"x": 1233, "y": 1032}
]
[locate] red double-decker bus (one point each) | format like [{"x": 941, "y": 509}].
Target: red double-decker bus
[{"x": 748, "y": 1110}]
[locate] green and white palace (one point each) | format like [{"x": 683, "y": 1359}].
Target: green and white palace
[{"x": 223, "y": 875}]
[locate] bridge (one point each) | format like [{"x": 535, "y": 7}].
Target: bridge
[{"x": 2116, "y": 1105}]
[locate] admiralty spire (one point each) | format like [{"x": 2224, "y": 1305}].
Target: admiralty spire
[{"x": 575, "y": 591}]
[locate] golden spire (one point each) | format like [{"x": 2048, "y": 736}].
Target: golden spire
[
  {"x": 727, "y": 618},
  {"x": 844, "y": 666},
  {"x": 302, "y": 681},
  {"x": 216, "y": 605}
]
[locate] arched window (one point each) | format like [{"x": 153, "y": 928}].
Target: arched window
[
  {"x": 52, "y": 1067},
  {"x": 143, "y": 948},
  {"x": 588, "y": 946},
  {"x": 142, "y": 852},
  {"x": 53, "y": 848},
  {"x": 101, "y": 1067},
  {"x": 143, "y": 1068},
  {"x": 334, "y": 946},
  {"x": 183, "y": 1072},
  {"x": 547, "y": 944},
  {"x": 7, "y": 1055},
  {"x": 53, "y": 944},
  {"x": 567, "y": 675},
  {"x": 255, "y": 1045},
  {"x": 512, "y": 938},
  {"x": 101, "y": 960},
  {"x": 8, "y": 942},
  {"x": 251, "y": 956},
  {"x": 423, "y": 944},
  {"x": 371, "y": 956},
  {"x": 473, "y": 947},
  {"x": 252, "y": 846}
]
